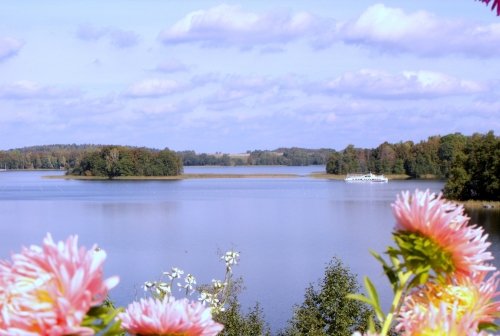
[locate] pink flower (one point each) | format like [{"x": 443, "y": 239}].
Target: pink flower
[
  {"x": 495, "y": 4},
  {"x": 440, "y": 322},
  {"x": 445, "y": 224},
  {"x": 48, "y": 290},
  {"x": 169, "y": 317},
  {"x": 460, "y": 305}
]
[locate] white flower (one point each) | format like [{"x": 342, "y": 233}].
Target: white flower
[
  {"x": 205, "y": 298},
  {"x": 164, "y": 287},
  {"x": 217, "y": 284},
  {"x": 190, "y": 281},
  {"x": 175, "y": 273},
  {"x": 148, "y": 285},
  {"x": 230, "y": 258}
]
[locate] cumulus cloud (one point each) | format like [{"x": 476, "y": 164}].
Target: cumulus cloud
[
  {"x": 9, "y": 47},
  {"x": 226, "y": 25},
  {"x": 25, "y": 89},
  {"x": 116, "y": 37},
  {"x": 423, "y": 33},
  {"x": 405, "y": 85},
  {"x": 154, "y": 88}
]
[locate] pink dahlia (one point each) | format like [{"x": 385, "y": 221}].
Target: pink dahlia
[
  {"x": 445, "y": 225},
  {"x": 48, "y": 290},
  {"x": 440, "y": 322},
  {"x": 459, "y": 305},
  {"x": 169, "y": 317}
]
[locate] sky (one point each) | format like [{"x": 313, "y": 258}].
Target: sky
[{"x": 234, "y": 76}]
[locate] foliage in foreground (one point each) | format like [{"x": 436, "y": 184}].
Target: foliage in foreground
[
  {"x": 326, "y": 310},
  {"x": 237, "y": 323},
  {"x": 439, "y": 270}
]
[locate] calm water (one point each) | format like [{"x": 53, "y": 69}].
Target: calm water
[{"x": 285, "y": 229}]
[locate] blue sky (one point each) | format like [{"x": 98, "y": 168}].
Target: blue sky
[{"x": 235, "y": 76}]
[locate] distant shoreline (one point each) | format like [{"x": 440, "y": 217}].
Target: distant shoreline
[
  {"x": 175, "y": 177},
  {"x": 187, "y": 176}
]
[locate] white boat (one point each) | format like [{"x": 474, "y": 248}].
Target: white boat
[{"x": 365, "y": 178}]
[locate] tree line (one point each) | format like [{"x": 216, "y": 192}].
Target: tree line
[
  {"x": 293, "y": 156},
  {"x": 69, "y": 157},
  {"x": 470, "y": 164}
]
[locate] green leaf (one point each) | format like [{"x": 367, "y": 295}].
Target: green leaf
[
  {"x": 371, "y": 325},
  {"x": 102, "y": 319},
  {"x": 372, "y": 292},
  {"x": 488, "y": 326},
  {"x": 359, "y": 297}
]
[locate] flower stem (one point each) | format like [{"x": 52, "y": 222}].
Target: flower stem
[{"x": 398, "y": 294}]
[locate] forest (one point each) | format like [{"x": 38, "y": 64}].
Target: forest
[
  {"x": 469, "y": 164},
  {"x": 69, "y": 156}
]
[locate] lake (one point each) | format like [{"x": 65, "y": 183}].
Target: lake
[{"x": 286, "y": 229}]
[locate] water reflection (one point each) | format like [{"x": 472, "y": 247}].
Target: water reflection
[{"x": 489, "y": 219}]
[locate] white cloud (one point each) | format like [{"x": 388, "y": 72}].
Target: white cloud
[
  {"x": 117, "y": 37},
  {"x": 406, "y": 85},
  {"x": 387, "y": 29},
  {"x": 154, "y": 87},
  {"x": 9, "y": 47},
  {"x": 226, "y": 25},
  {"x": 393, "y": 30},
  {"x": 25, "y": 89}
]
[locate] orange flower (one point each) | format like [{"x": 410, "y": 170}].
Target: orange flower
[
  {"x": 48, "y": 290},
  {"x": 455, "y": 307},
  {"x": 169, "y": 317},
  {"x": 445, "y": 225}
]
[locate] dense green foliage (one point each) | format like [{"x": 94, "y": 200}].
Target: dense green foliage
[
  {"x": 44, "y": 157},
  {"x": 426, "y": 159},
  {"x": 237, "y": 323},
  {"x": 475, "y": 170},
  {"x": 326, "y": 310},
  {"x": 69, "y": 156},
  {"x": 112, "y": 161}
]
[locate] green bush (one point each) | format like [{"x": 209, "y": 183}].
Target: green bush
[
  {"x": 326, "y": 310},
  {"x": 235, "y": 322}
]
